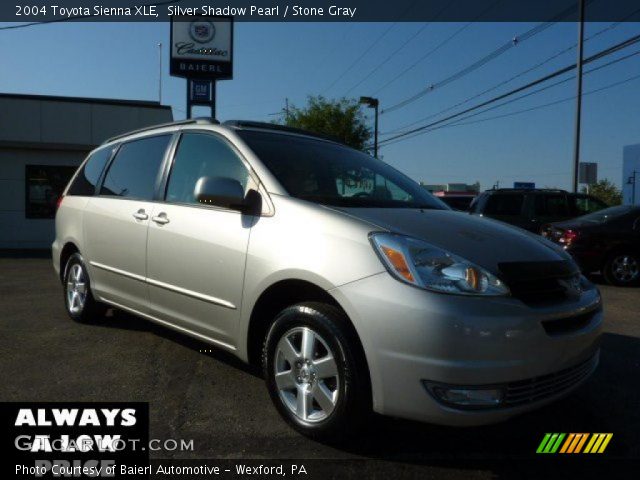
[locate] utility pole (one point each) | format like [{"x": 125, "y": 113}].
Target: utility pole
[
  {"x": 160, "y": 73},
  {"x": 286, "y": 109},
  {"x": 632, "y": 181},
  {"x": 576, "y": 145},
  {"x": 373, "y": 103}
]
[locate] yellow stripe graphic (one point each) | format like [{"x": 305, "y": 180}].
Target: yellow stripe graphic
[
  {"x": 591, "y": 442},
  {"x": 567, "y": 443},
  {"x": 596, "y": 445},
  {"x": 607, "y": 439}
]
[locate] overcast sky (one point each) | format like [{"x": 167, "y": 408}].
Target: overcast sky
[{"x": 274, "y": 61}]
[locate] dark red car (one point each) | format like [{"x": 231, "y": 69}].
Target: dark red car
[{"x": 607, "y": 241}]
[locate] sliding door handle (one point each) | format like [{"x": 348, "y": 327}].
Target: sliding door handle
[{"x": 140, "y": 215}]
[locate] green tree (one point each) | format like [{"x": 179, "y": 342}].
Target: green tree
[
  {"x": 342, "y": 119},
  {"x": 606, "y": 191}
]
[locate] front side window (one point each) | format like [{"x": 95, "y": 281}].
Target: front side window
[
  {"x": 85, "y": 182},
  {"x": 134, "y": 171},
  {"x": 332, "y": 174},
  {"x": 202, "y": 155}
]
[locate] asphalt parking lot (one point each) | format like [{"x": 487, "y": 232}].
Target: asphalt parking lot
[{"x": 224, "y": 407}]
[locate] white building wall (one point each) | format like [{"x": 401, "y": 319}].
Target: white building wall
[
  {"x": 630, "y": 163},
  {"x": 17, "y": 231},
  {"x": 53, "y": 131}
]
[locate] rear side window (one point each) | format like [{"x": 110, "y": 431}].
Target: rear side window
[
  {"x": 504, "y": 205},
  {"x": 583, "y": 204},
  {"x": 551, "y": 205},
  {"x": 202, "y": 155},
  {"x": 134, "y": 171},
  {"x": 87, "y": 178}
]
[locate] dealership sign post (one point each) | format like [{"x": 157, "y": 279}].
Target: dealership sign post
[{"x": 201, "y": 52}]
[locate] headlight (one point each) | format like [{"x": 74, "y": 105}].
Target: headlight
[{"x": 423, "y": 265}]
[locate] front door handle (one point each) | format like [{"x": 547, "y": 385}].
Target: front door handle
[
  {"x": 140, "y": 215},
  {"x": 161, "y": 219}
]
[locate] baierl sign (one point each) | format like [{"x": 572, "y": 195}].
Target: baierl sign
[{"x": 202, "y": 47}]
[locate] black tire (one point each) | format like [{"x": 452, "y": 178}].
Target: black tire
[
  {"x": 631, "y": 278},
  {"x": 91, "y": 309},
  {"x": 353, "y": 403}
]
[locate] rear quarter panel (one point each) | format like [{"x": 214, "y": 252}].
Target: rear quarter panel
[{"x": 69, "y": 227}]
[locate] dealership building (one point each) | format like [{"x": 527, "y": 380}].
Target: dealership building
[{"x": 43, "y": 139}]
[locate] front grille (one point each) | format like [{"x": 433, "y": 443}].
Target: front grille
[
  {"x": 539, "y": 282},
  {"x": 567, "y": 325},
  {"x": 538, "y": 388}
]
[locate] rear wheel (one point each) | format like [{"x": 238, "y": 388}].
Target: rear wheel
[
  {"x": 79, "y": 301},
  {"x": 622, "y": 269},
  {"x": 313, "y": 372}
]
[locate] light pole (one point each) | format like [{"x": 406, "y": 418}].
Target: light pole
[
  {"x": 373, "y": 103},
  {"x": 576, "y": 146},
  {"x": 160, "y": 73}
]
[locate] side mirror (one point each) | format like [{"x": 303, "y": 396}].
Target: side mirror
[{"x": 221, "y": 192}]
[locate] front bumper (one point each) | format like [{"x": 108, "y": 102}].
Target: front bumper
[{"x": 411, "y": 336}]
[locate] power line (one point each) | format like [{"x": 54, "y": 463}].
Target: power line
[
  {"x": 390, "y": 56},
  {"x": 619, "y": 46},
  {"x": 436, "y": 48},
  {"x": 546, "y": 105},
  {"x": 366, "y": 77},
  {"x": 375, "y": 42},
  {"x": 462, "y": 122},
  {"x": 555, "y": 84},
  {"x": 518, "y": 39},
  {"x": 510, "y": 79}
]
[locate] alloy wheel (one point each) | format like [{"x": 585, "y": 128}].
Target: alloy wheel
[
  {"x": 306, "y": 374},
  {"x": 625, "y": 268},
  {"x": 76, "y": 289}
]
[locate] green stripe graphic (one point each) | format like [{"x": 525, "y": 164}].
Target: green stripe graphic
[
  {"x": 543, "y": 443},
  {"x": 558, "y": 442},
  {"x": 550, "y": 443}
]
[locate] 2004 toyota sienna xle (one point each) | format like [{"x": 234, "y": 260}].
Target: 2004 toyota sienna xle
[{"x": 348, "y": 283}]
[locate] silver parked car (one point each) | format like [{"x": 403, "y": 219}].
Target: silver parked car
[{"x": 351, "y": 286}]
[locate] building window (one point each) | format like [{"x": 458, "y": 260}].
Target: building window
[{"x": 44, "y": 185}]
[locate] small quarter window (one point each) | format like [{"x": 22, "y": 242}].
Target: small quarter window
[{"x": 85, "y": 182}]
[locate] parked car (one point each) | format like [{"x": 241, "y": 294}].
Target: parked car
[
  {"x": 532, "y": 208},
  {"x": 458, "y": 201},
  {"x": 607, "y": 241},
  {"x": 352, "y": 286}
]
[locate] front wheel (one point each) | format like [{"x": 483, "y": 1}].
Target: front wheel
[
  {"x": 313, "y": 371},
  {"x": 622, "y": 269}
]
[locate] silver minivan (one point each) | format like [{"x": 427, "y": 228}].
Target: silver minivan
[{"x": 348, "y": 283}]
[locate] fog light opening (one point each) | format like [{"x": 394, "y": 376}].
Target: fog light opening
[{"x": 461, "y": 396}]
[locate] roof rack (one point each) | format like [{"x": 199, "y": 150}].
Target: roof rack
[
  {"x": 189, "y": 121},
  {"x": 558, "y": 190},
  {"x": 280, "y": 128}
]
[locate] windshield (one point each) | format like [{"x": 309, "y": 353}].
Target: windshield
[
  {"x": 607, "y": 214},
  {"x": 333, "y": 174}
]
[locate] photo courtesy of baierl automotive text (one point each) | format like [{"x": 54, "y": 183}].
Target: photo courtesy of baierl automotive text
[{"x": 320, "y": 239}]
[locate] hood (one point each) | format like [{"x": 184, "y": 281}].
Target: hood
[{"x": 485, "y": 242}]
